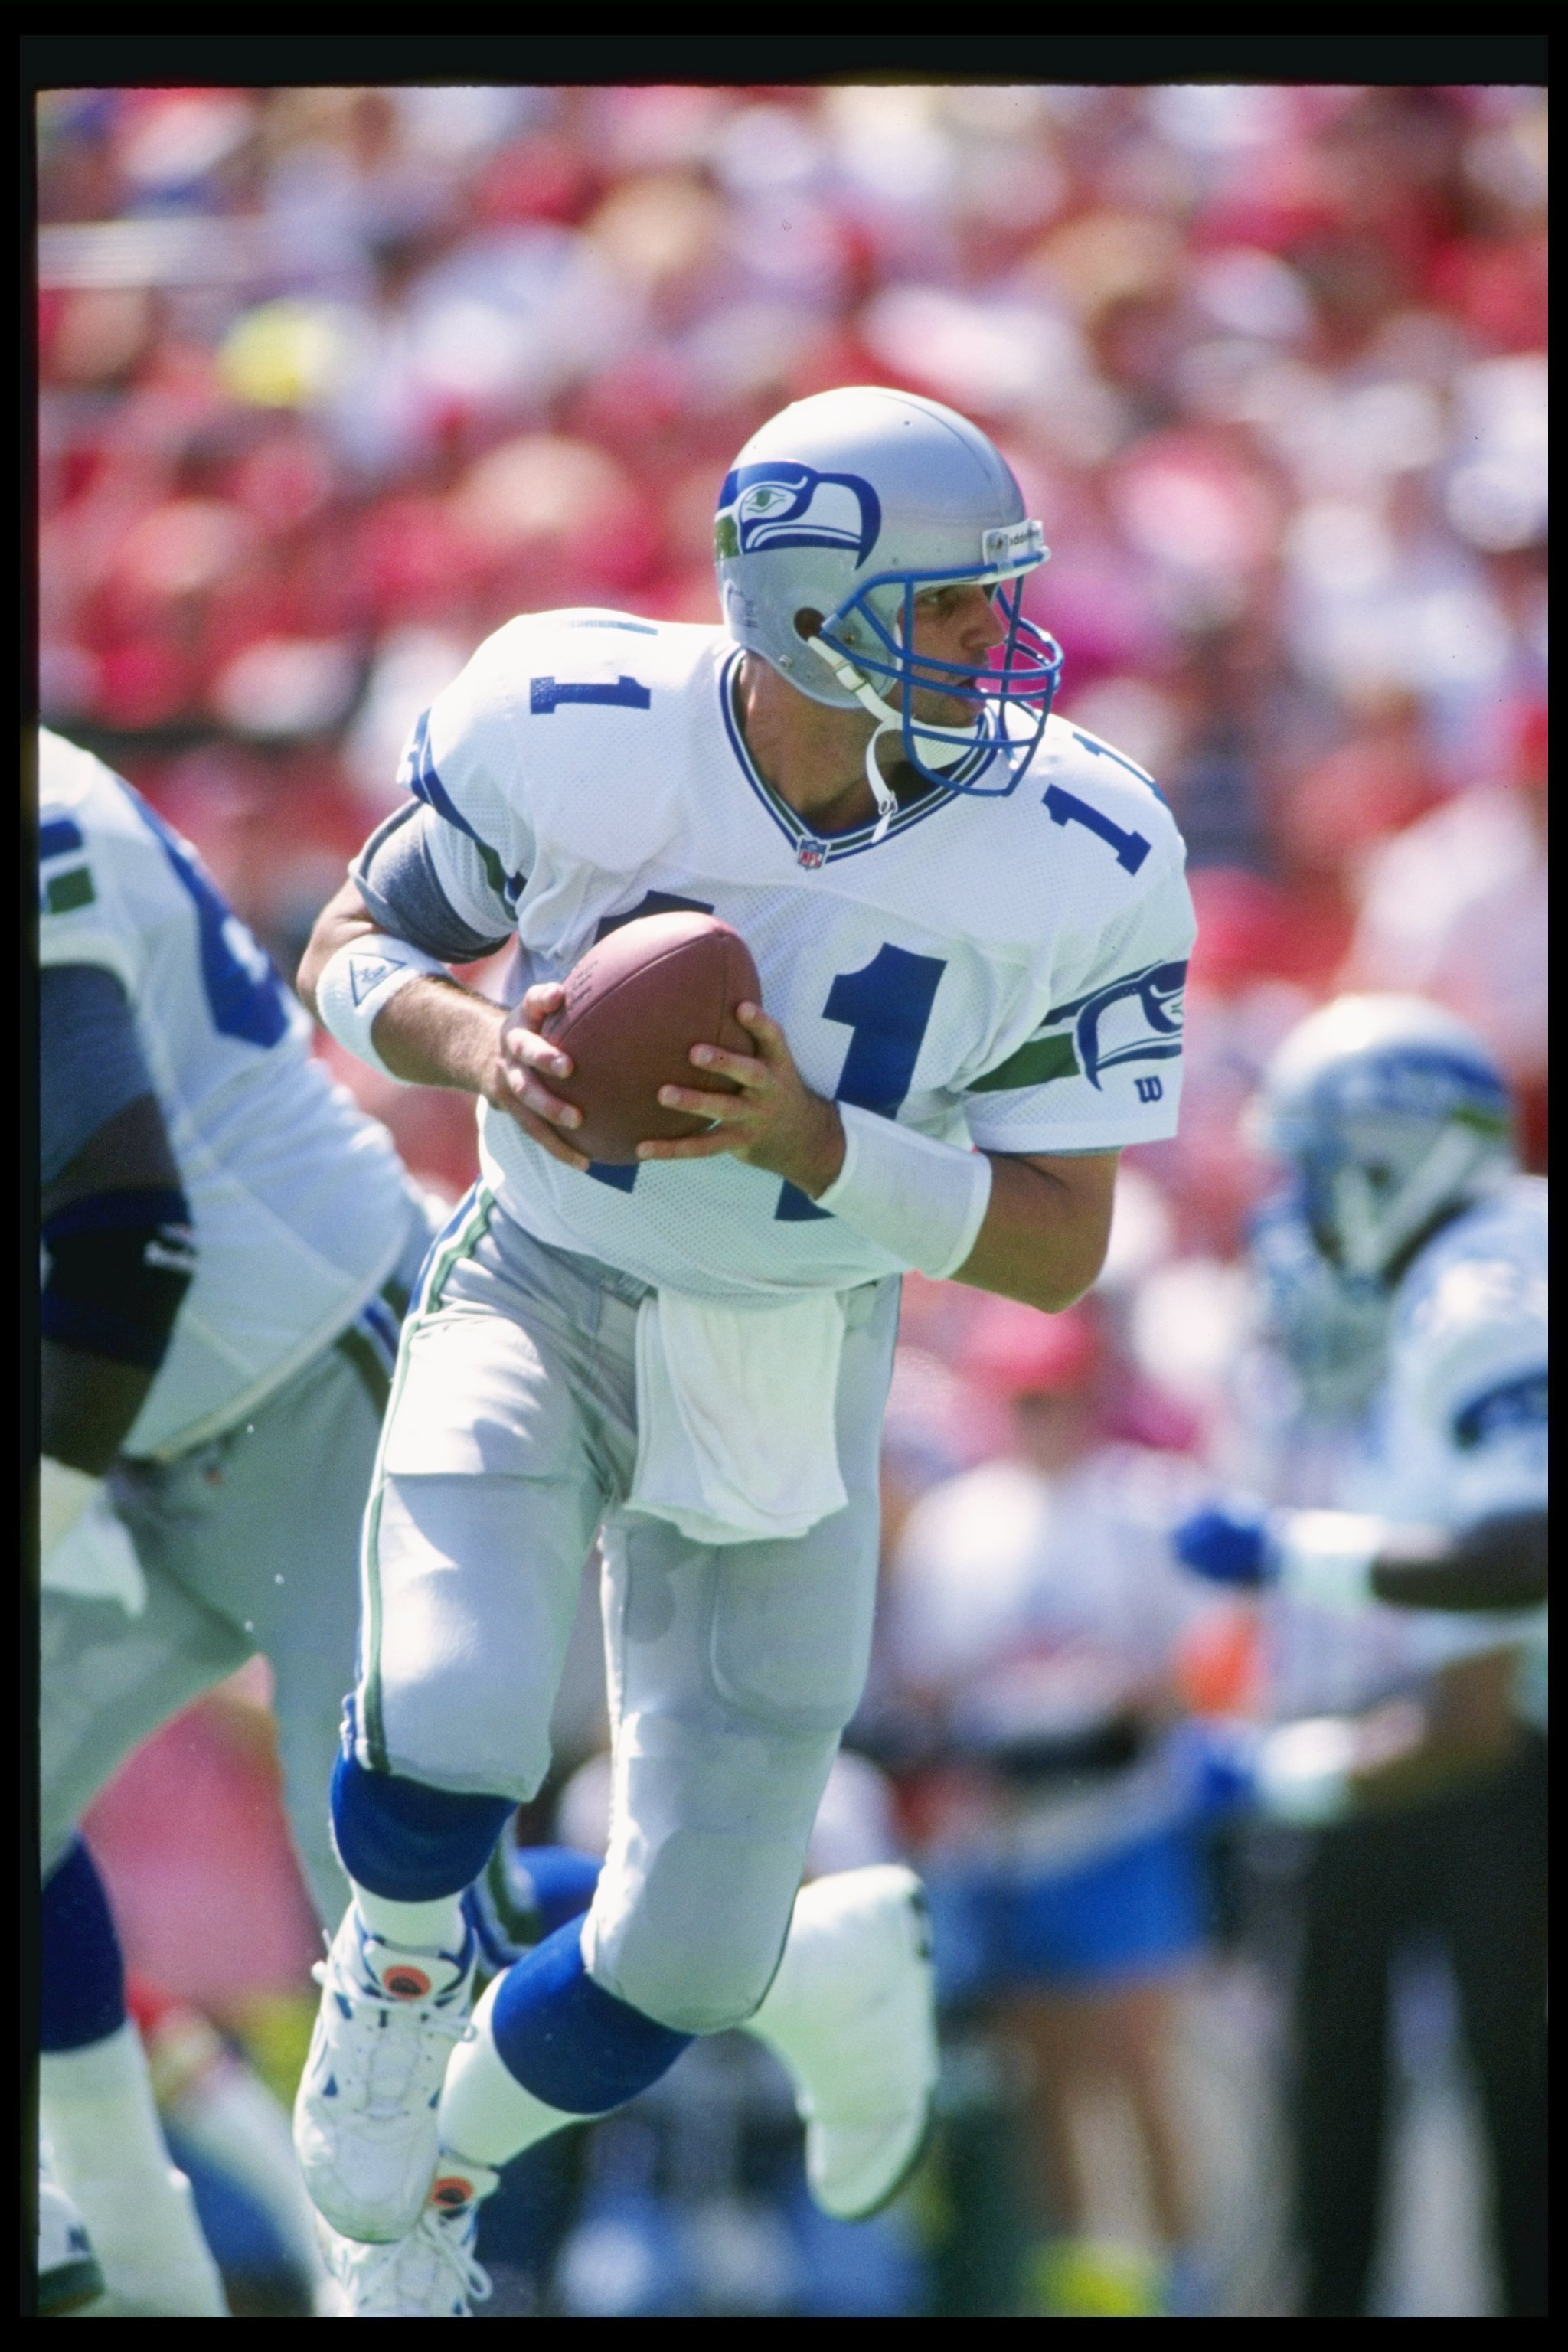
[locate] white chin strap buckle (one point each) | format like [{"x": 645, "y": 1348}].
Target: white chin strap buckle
[{"x": 882, "y": 791}]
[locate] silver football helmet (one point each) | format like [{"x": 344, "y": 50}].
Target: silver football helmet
[
  {"x": 847, "y": 506},
  {"x": 1394, "y": 1114}
]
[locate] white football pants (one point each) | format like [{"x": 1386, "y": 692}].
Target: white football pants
[
  {"x": 509, "y": 1444},
  {"x": 246, "y": 1543}
]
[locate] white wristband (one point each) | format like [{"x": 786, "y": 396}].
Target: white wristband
[
  {"x": 921, "y": 1201},
  {"x": 1303, "y": 1772},
  {"x": 1325, "y": 1558},
  {"x": 362, "y": 976}
]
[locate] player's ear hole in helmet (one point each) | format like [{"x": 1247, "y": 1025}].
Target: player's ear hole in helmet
[{"x": 848, "y": 507}]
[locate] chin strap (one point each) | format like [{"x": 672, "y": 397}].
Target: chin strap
[
  {"x": 888, "y": 722},
  {"x": 882, "y": 791}
]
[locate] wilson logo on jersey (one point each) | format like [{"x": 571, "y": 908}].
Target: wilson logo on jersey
[{"x": 780, "y": 505}]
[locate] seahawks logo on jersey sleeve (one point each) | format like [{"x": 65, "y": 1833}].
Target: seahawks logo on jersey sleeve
[
  {"x": 1137, "y": 1018},
  {"x": 777, "y": 505}
]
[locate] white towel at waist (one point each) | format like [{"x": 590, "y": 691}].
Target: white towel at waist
[{"x": 736, "y": 1437}]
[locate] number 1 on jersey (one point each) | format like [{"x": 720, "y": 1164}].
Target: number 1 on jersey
[{"x": 886, "y": 1006}]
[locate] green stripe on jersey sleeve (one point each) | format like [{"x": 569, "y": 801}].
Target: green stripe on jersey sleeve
[
  {"x": 1033, "y": 1065},
  {"x": 64, "y": 893}
]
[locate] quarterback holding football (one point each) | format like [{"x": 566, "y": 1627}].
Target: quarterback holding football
[{"x": 968, "y": 926}]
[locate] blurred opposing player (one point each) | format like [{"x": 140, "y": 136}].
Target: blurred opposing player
[
  {"x": 1036, "y": 1620},
  {"x": 972, "y": 928},
  {"x": 226, "y": 1242},
  {"x": 1411, "y": 1273}
]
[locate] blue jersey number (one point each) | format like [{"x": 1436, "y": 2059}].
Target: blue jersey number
[
  {"x": 244, "y": 996},
  {"x": 1066, "y": 808},
  {"x": 547, "y": 694},
  {"x": 886, "y": 1006}
]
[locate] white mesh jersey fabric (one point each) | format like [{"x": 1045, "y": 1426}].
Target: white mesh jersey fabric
[
  {"x": 1005, "y": 972},
  {"x": 1464, "y": 1417},
  {"x": 1456, "y": 1431},
  {"x": 300, "y": 1202}
]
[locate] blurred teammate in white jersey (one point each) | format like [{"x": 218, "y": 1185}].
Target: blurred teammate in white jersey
[
  {"x": 1409, "y": 1268},
  {"x": 227, "y": 1244},
  {"x": 972, "y": 929}
]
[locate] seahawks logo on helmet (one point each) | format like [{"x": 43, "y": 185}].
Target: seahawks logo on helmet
[{"x": 779, "y": 505}]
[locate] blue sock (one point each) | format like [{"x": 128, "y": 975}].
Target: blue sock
[
  {"x": 562, "y": 1881},
  {"x": 411, "y": 1843},
  {"x": 567, "y": 2040},
  {"x": 82, "y": 1990}
]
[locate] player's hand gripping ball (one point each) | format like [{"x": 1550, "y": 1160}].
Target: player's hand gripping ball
[{"x": 634, "y": 1007}]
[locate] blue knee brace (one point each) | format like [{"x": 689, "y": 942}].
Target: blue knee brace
[
  {"x": 567, "y": 2040},
  {"x": 81, "y": 1989},
  {"x": 411, "y": 1843}
]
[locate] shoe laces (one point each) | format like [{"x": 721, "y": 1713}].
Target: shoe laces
[
  {"x": 438, "y": 2252},
  {"x": 387, "y": 2058}
]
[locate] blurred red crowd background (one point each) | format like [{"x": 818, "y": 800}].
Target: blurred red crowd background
[{"x": 335, "y": 380}]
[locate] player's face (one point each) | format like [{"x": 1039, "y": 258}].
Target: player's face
[{"x": 954, "y": 624}]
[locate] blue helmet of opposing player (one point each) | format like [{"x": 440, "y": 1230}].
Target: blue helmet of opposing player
[
  {"x": 834, "y": 518},
  {"x": 1394, "y": 1115}
]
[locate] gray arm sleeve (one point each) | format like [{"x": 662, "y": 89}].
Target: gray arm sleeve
[
  {"x": 91, "y": 1062},
  {"x": 396, "y": 876}
]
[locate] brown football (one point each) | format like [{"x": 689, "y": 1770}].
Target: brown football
[{"x": 636, "y": 1005}]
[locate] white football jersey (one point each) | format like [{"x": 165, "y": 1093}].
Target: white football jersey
[
  {"x": 1461, "y": 1428},
  {"x": 1008, "y": 972},
  {"x": 1455, "y": 1432},
  {"x": 299, "y": 1205}
]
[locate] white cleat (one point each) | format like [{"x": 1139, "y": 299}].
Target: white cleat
[
  {"x": 852, "y": 2013},
  {"x": 69, "y": 2279},
  {"x": 431, "y": 2273},
  {"x": 364, "y": 2119},
  {"x": 155, "y": 2261}
]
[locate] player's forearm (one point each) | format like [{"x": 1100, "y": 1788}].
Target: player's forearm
[
  {"x": 115, "y": 1225},
  {"x": 1409, "y": 1751},
  {"x": 344, "y": 919},
  {"x": 433, "y": 1032},
  {"x": 436, "y": 1032},
  {"x": 1498, "y": 1563},
  {"x": 1046, "y": 1229}
]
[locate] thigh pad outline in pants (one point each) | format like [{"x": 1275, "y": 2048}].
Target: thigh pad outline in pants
[
  {"x": 510, "y": 1426},
  {"x": 733, "y": 1672}
]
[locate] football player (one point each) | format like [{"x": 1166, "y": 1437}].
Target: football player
[
  {"x": 228, "y": 1241},
  {"x": 1411, "y": 1274},
  {"x": 1396, "y": 1124},
  {"x": 972, "y": 927}
]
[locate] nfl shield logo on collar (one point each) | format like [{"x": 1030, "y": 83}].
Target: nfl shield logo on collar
[{"x": 810, "y": 853}]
